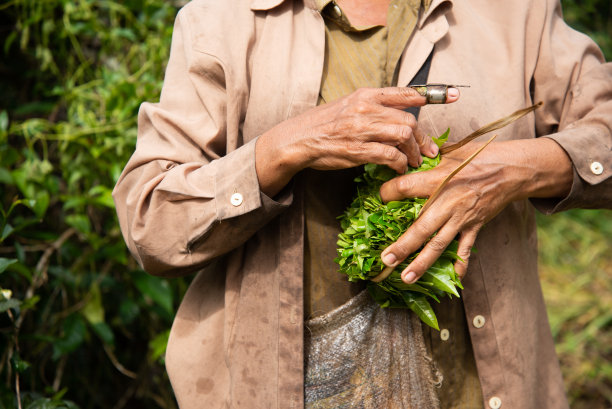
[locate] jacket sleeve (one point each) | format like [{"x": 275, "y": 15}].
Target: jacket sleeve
[
  {"x": 190, "y": 192},
  {"x": 576, "y": 87}
]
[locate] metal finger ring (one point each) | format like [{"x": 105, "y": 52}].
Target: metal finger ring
[{"x": 434, "y": 93}]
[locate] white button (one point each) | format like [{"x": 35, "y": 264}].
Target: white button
[
  {"x": 596, "y": 168},
  {"x": 444, "y": 334},
  {"x": 495, "y": 402},
  {"x": 479, "y": 321},
  {"x": 337, "y": 10},
  {"x": 236, "y": 199}
]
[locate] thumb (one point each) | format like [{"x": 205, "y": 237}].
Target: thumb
[{"x": 418, "y": 184}]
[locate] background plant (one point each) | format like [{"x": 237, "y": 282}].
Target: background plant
[
  {"x": 80, "y": 325},
  {"x": 80, "y": 322},
  {"x": 576, "y": 265}
]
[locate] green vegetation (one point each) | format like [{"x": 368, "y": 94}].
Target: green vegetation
[
  {"x": 576, "y": 264},
  {"x": 80, "y": 325},
  {"x": 593, "y": 17},
  {"x": 79, "y": 320},
  {"x": 576, "y": 272}
]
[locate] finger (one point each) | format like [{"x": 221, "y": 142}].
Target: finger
[
  {"x": 452, "y": 95},
  {"x": 409, "y": 140},
  {"x": 410, "y": 148},
  {"x": 416, "y": 142},
  {"x": 390, "y": 130},
  {"x": 421, "y": 184},
  {"x": 382, "y": 154},
  {"x": 401, "y": 97},
  {"x": 466, "y": 242},
  {"x": 437, "y": 93},
  {"x": 409, "y": 242},
  {"x": 426, "y": 145},
  {"x": 430, "y": 253}
]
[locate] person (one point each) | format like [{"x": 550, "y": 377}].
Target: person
[{"x": 268, "y": 107}]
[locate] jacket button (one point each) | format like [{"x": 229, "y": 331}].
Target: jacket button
[
  {"x": 479, "y": 321},
  {"x": 444, "y": 335},
  {"x": 596, "y": 168},
  {"x": 236, "y": 199},
  {"x": 495, "y": 402}
]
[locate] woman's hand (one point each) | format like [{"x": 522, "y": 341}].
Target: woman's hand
[
  {"x": 503, "y": 172},
  {"x": 367, "y": 126}
]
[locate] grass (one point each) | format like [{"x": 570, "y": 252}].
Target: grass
[{"x": 576, "y": 271}]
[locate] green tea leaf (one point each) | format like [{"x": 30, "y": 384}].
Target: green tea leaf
[
  {"x": 422, "y": 308},
  {"x": 442, "y": 139}
]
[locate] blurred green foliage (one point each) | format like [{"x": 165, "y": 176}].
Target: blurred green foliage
[
  {"x": 80, "y": 325},
  {"x": 593, "y": 17},
  {"x": 80, "y": 322},
  {"x": 576, "y": 271},
  {"x": 576, "y": 264}
]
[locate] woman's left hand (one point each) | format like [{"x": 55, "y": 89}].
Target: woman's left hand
[{"x": 503, "y": 172}]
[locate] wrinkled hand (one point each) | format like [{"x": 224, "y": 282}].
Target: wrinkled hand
[
  {"x": 502, "y": 173},
  {"x": 367, "y": 126}
]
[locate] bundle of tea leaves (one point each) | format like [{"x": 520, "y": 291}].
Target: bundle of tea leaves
[{"x": 369, "y": 226}]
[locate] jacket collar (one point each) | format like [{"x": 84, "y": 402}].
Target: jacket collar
[
  {"x": 435, "y": 5},
  {"x": 265, "y": 4}
]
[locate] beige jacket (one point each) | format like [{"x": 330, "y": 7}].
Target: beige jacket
[{"x": 189, "y": 198}]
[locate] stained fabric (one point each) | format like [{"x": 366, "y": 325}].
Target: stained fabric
[{"x": 362, "y": 356}]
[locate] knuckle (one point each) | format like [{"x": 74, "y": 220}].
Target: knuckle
[
  {"x": 401, "y": 248},
  {"x": 404, "y": 133},
  {"x": 410, "y": 120},
  {"x": 437, "y": 245},
  {"x": 464, "y": 253},
  {"x": 420, "y": 139},
  {"x": 390, "y": 153},
  {"x": 361, "y": 107},
  {"x": 408, "y": 92},
  {"x": 424, "y": 228},
  {"x": 404, "y": 185},
  {"x": 419, "y": 266},
  {"x": 355, "y": 150},
  {"x": 389, "y": 191}
]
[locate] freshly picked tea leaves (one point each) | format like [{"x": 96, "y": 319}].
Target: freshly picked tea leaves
[{"x": 369, "y": 226}]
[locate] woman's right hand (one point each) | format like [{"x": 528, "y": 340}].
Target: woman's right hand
[{"x": 367, "y": 126}]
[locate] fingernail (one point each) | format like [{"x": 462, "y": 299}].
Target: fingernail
[
  {"x": 434, "y": 148},
  {"x": 409, "y": 278},
  {"x": 452, "y": 93},
  {"x": 389, "y": 259}
]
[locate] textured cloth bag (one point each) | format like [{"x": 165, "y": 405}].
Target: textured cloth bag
[{"x": 363, "y": 356}]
